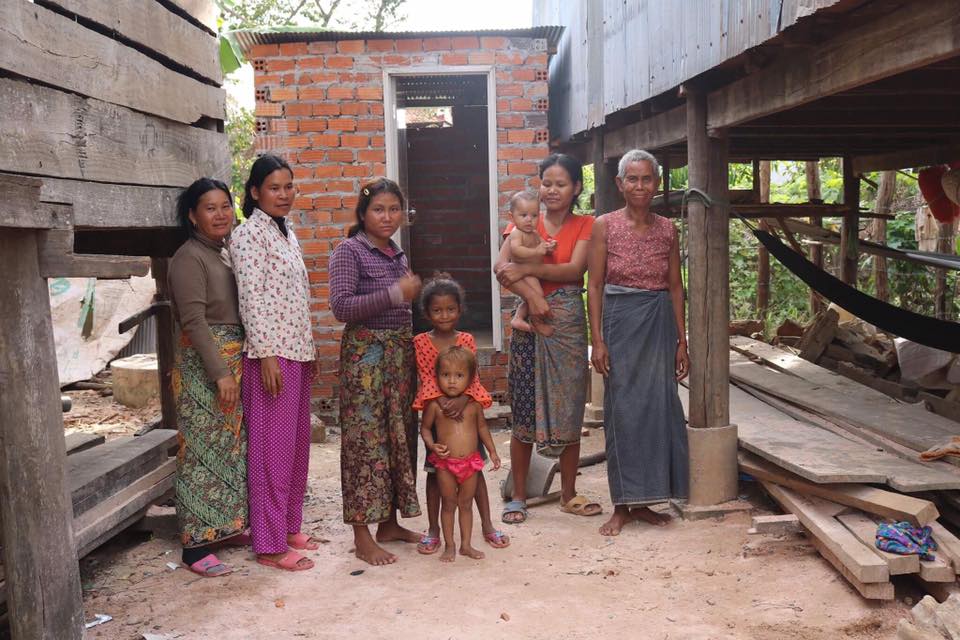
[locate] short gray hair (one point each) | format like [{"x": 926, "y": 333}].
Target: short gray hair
[{"x": 636, "y": 155}]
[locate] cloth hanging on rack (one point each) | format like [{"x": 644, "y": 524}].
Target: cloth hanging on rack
[{"x": 939, "y": 334}]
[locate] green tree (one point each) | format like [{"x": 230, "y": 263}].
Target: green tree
[
  {"x": 353, "y": 15},
  {"x": 240, "y": 126}
]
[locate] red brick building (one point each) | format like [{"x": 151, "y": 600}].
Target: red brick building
[{"x": 335, "y": 105}]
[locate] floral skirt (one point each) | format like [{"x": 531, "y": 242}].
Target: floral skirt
[
  {"x": 378, "y": 451},
  {"x": 211, "y": 482}
]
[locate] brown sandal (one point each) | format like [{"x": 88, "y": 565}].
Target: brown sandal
[{"x": 580, "y": 506}]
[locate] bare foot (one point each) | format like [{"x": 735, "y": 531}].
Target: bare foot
[
  {"x": 372, "y": 553},
  {"x": 449, "y": 553},
  {"x": 520, "y": 324},
  {"x": 470, "y": 552},
  {"x": 543, "y": 328},
  {"x": 390, "y": 531},
  {"x": 617, "y": 521},
  {"x": 646, "y": 514}
]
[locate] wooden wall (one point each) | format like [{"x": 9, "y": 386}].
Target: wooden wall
[
  {"x": 113, "y": 105},
  {"x": 617, "y": 53}
]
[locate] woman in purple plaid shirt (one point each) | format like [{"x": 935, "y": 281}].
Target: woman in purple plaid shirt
[{"x": 371, "y": 289}]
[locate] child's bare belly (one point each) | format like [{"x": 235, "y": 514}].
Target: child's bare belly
[{"x": 458, "y": 438}]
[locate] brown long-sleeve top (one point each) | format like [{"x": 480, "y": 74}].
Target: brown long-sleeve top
[{"x": 204, "y": 292}]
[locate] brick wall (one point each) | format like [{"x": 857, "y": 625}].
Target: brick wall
[
  {"x": 320, "y": 105},
  {"x": 448, "y": 184}
]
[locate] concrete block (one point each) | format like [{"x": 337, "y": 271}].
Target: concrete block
[
  {"x": 776, "y": 525},
  {"x": 713, "y": 464},
  {"x": 136, "y": 380}
]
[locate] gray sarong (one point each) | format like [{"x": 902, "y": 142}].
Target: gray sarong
[{"x": 647, "y": 459}]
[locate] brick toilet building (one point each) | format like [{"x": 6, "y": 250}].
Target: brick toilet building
[{"x": 459, "y": 119}]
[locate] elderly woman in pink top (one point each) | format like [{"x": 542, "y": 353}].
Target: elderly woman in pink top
[{"x": 636, "y": 303}]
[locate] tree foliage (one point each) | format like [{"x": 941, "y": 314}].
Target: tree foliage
[{"x": 351, "y": 15}]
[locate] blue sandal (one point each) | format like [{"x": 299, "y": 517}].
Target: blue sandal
[{"x": 515, "y": 506}]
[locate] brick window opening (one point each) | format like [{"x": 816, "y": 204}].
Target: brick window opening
[
  {"x": 541, "y": 136},
  {"x": 261, "y": 126},
  {"x": 260, "y": 65},
  {"x": 261, "y": 95},
  {"x": 541, "y": 75},
  {"x": 542, "y": 104}
]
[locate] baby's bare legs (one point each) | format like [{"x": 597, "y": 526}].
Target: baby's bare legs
[
  {"x": 536, "y": 322},
  {"x": 448, "y": 508},
  {"x": 465, "y": 505}
]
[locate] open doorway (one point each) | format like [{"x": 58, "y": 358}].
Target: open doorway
[{"x": 439, "y": 149}]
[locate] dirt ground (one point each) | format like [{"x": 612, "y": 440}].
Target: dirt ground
[{"x": 559, "y": 579}]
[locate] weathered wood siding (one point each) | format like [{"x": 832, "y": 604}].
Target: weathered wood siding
[{"x": 642, "y": 48}]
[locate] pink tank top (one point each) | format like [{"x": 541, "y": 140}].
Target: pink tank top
[{"x": 638, "y": 260}]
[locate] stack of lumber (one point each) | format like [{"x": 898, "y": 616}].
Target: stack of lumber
[{"x": 842, "y": 457}]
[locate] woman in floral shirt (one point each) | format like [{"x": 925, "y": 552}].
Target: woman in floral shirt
[{"x": 278, "y": 365}]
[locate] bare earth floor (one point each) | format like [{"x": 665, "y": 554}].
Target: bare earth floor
[{"x": 559, "y": 579}]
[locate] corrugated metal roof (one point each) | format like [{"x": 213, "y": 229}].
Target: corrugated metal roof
[{"x": 247, "y": 38}]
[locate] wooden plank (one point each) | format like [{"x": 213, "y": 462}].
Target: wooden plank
[
  {"x": 656, "y": 132},
  {"x": 875, "y": 382},
  {"x": 940, "y": 406},
  {"x": 921, "y": 157},
  {"x": 817, "y": 516},
  {"x": 778, "y": 525},
  {"x": 151, "y": 25},
  {"x": 166, "y": 337},
  {"x": 39, "y": 552},
  {"x": 98, "y": 473},
  {"x": 57, "y": 260},
  {"x": 877, "y": 501},
  {"x": 909, "y": 37},
  {"x": 22, "y": 208},
  {"x": 948, "y": 545},
  {"x": 52, "y": 133},
  {"x": 865, "y": 529},
  {"x": 77, "y": 442},
  {"x": 937, "y": 570},
  {"x": 98, "y": 204},
  {"x": 908, "y": 425},
  {"x": 203, "y": 12},
  {"x": 42, "y": 45},
  {"x": 102, "y": 522}
]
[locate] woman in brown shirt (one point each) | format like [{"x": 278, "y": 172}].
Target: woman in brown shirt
[{"x": 211, "y": 483}]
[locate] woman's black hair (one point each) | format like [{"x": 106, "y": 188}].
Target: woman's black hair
[
  {"x": 571, "y": 165},
  {"x": 367, "y": 193},
  {"x": 189, "y": 197},
  {"x": 442, "y": 284},
  {"x": 263, "y": 167}
]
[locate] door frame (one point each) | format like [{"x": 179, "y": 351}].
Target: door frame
[{"x": 390, "y": 75}]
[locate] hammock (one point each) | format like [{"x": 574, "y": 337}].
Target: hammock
[{"x": 930, "y": 332}]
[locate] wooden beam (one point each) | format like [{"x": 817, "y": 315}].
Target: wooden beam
[
  {"x": 42, "y": 45},
  {"x": 865, "y": 529},
  {"x": 52, "y": 133},
  {"x": 708, "y": 271},
  {"x": 21, "y": 207},
  {"x": 812, "y": 174},
  {"x": 154, "y": 27},
  {"x": 860, "y": 496},
  {"x": 111, "y": 206},
  {"x": 57, "y": 260},
  {"x": 818, "y": 516},
  {"x": 202, "y": 12},
  {"x": 606, "y": 194},
  {"x": 920, "y": 157},
  {"x": 661, "y": 130},
  {"x": 912, "y": 36},
  {"x": 761, "y": 176},
  {"x": 39, "y": 552},
  {"x": 850, "y": 228},
  {"x": 166, "y": 336}
]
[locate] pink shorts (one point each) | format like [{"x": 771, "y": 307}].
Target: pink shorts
[{"x": 461, "y": 468}]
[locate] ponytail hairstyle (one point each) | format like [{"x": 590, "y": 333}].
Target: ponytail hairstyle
[
  {"x": 367, "y": 193},
  {"x": 571, "y": 165},
  {"x": 442, "y": 284},
  {"x": 189, "y": 197},
  {"x": 263, "y": 167}
]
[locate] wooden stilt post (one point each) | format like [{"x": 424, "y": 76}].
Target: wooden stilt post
[
  {"x": 606, "y": 196},
  {"x": 886, "y": 189},
  {"x": 712, "y": 439},
  {"x": 165, "y": 345},
  {"x": 850, "y": 229},
  {"x": 812, "y": 170},
  {"x": 941, "y": 297},
  {"x": 761, "y": 174},
  {"x": 39, "y": 551}
]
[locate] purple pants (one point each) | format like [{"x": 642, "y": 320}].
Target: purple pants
[{"x": 278, "y": 452}]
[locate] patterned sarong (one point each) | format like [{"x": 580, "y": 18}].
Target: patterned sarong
[
  {"x": 211, "y": 482},
  {"x": 378, "y": 451}
]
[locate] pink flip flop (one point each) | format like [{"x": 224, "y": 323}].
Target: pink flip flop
[
  {"x": 290, "y": 561},
  {"x": 303, "y": 542},
  {"x": 207, "y": 567}
]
